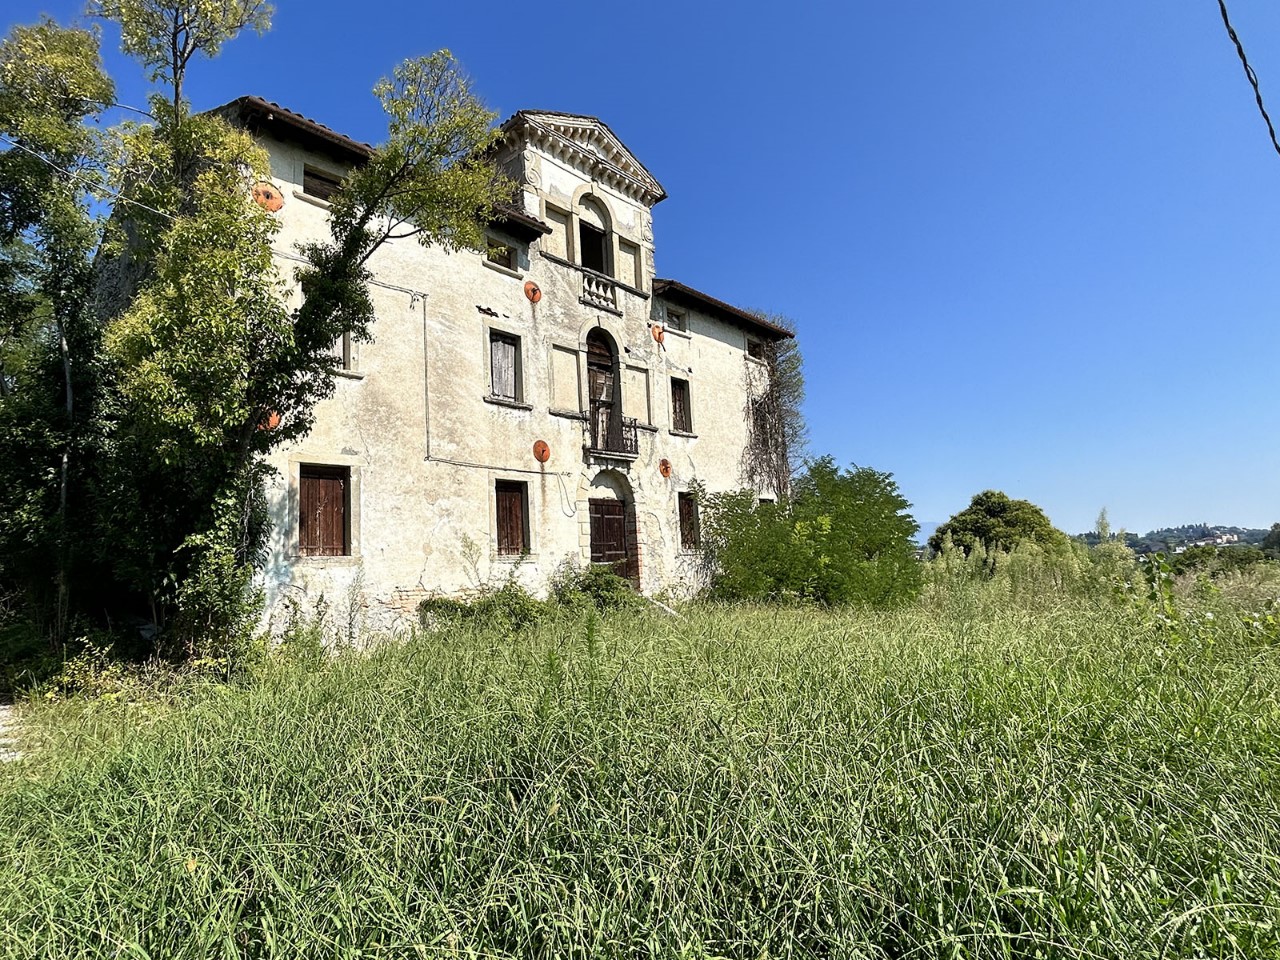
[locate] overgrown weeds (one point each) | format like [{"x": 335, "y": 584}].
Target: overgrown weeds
[{"x": 984, "y": 774}]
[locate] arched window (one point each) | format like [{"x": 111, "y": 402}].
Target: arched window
[{"x": 594, "y": 241}]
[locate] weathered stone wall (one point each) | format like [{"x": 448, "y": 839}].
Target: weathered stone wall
[{"x": 425, "y": 443}]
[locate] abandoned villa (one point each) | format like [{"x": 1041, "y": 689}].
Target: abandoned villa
[{"x": 546, "y": 400}]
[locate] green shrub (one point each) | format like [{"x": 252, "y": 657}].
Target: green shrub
[
  {"x": 25, "y": 659},
  {"x": 506, "y": 608},
  {"x": 595, "y": 586},
  {"x": 844, "y": 538}
]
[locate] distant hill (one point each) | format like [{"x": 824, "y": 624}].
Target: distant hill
[{"x": 1167, "y": 539}]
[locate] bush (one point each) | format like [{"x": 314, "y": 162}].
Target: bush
[
  {"x": 506, "y": 608},
  {"x": 845, "y": 538},
  {"x": 595, "y": 586}
]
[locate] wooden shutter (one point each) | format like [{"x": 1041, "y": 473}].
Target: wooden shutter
[
  {"x": 680, "y": 419},
  {"x": 511, "y": 528},
  {"x": 322, "y": 511},
  {"x": 690, "y": 536},
  {"x": 320, "y": 185},
  {"x": 502, "y": 353}
]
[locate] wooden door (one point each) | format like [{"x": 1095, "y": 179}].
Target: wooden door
[{"x": 613, "y": 539}]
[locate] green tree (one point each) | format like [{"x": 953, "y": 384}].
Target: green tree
[
  {"x": 845, "y": 537},
  {"x": 197, "y": 345},
  {"x": 1271, "y": 542},
  {"x": 998, "y": 522},
  {"x": 165, "y": 36},
  {"x": 51, "y": 81}
]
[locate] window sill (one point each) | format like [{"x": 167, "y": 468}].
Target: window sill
[
  {"x": 343, "y": 561},
  {"x": 648, "y": 427},
  {"x": 505, "y": 271},
  {"x": 683, "y": 433},
  {"x": 677, "y": 332},
  {"x": 512, "y": 557},
  {"x": 314, "y": 201},
  {"x": 504, "y": 402},
  {"x": 569, "y": 414},
  {"x": 348, "y": 374}
]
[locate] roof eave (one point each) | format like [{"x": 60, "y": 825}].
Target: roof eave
[{"x": 675, "y": 290}]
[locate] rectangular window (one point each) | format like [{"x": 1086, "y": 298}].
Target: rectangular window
[
  {"x": 342, "y": 352},
  {"x": 513, "y": 510},
  {"x": 319, "y": 183},
  {"x": 755, "y": 348},
  {"x": 502, "y": 254},
  {"x": 324, "y": 508},
  {"x": 690, "y": 534},
  {"x": 681, "y": 415},
  {"x": 591, "y": 247},
  {"x": 504, "y": 363},
  {"x": 677, "y": 320}
]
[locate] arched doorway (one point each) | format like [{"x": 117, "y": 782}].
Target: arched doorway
[{"x": 612, "y": 514}]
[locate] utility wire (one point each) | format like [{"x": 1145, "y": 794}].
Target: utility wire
[
  {"x": 83, "y": 179},
  {"x": 1248, "y": 72}
]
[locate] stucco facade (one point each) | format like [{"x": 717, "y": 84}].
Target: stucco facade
[{"x": 570, "y": 342}]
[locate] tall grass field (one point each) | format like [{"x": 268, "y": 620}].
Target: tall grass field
[{"x": 970, "y": 776}]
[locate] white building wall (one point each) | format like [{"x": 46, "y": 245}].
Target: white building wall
[{"x": 413, "y": 422}]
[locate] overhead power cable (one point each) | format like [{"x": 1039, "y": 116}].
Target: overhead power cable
[
  {"x": 83, "y": 179},
  {"x": 1248, "y": 72}
]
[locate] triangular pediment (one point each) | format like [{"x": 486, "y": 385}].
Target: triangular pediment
[{"x": 590, "y": 144}]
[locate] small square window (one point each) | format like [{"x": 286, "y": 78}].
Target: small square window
[
  {"x": 504, "y": 366},
  {"x": 320, "y": 183},
  {"x": 690, "y": 532},
  {"x": 681, "y": 414},
  {"x": 500, "y": 254},
  {"x": 755, "y": 348},
  {"x": 324, "y": 511},
  {"x": 512, "y": 500},
  {"x": 677, "y": 320}
]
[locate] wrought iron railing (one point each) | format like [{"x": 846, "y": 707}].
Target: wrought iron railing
[{"x": 610, "y": 434}]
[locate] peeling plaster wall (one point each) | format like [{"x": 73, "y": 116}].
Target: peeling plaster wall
[{"x": 425, "y": 446}]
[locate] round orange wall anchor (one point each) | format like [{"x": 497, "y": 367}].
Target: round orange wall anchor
[
  {"x": 270, "y": 421},
  {"x": 267, "y": 196},
  {"x": 664, "y": 468},
  {"x": 532, "y": 291},
  {"x": 658, "y": 333},
  {"x": 541, "y": 452}
]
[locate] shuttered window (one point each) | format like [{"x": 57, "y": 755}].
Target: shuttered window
[
  {"x": 681, "y": 418},
  {"x": 319, "y": 184},
  {"x": 690, "y": 534},
  {"x": 324, "y": 498},
  {"x": 513, "y": 501},
  {"x": 504, "y": 361}
]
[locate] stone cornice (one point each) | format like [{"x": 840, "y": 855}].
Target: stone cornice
[{"x": 588, "y": 146}]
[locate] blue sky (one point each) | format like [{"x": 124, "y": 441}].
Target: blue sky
[{"x": 1029, "y": 246}]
